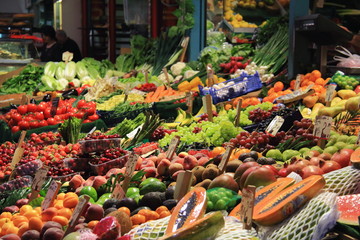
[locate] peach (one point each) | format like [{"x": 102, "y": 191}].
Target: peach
[{"x": 163, "y": 167}]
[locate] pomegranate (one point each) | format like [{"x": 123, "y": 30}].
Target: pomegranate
[
  {"x": 328, "y": 166},
  {"x": 310, "y": 170}
]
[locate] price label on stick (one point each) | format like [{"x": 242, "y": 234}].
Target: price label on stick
[
  {"x": 166, "y": 76},
  {"x": 322, "y": 127},
  {"x": 183, "y": 183},
  {"x": 189, "y": 102},
  {"x": 130, "y": 164},
  {"x": 19, "y": 151},
  {"x": 51, "y": 194},
  {"x": 247, "y": 206},
  {"x": 67, "y": 56},
  {"x": 275, "y": 125},
  {"x": 207, "y": 102},
  {"x": 210, "y": 75},
  {"x": 297, "y": 82},
  {"x": 358, "y": 139},
  {"x": 225, "y": 159},
  {"x": 238, "y": 112},
  {"x": 118, "y": 192},
  {"x": 54, "y": 106},
  {"x": 79, "y": 209},
  {"x": 146, "y": 75},
  {"x": 172, "y": 147},
  {"x": 38, "y": 181},
  {"x": 329, "y": 93}
]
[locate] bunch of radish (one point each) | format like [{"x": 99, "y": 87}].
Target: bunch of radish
[{"x": 234, "y": 64}]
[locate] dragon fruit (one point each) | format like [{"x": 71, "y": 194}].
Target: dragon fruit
[{"x": 108, "y": 228}]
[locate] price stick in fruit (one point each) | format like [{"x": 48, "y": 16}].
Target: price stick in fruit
[
  {"x": 54, "y": 106},
  {"x": 189, "y": 102},
  {"x": 19, "y": 152},
  {"x": 183, "y": 184},
  {"x": 210, "y": 75},
  {"x": 118, "y": 192},
  {"x": 172, "y": 147},
  {"x": 297, "y": 82},
  {"x": 166, "y": 76},
  {"x": 184, "y": 45},
  {"x": 225, "y": 158},
  {"x": 358, "y": 139},
  {"x": 129, "y": 170},
  {"x": 38, "y": 181},
  {"x": 247, "y": 206},
  {"x": 275, "y": 125},
  {"x": 238, "y": 112},
  {"x": 67, "y": 56},
  {"x": 329, "y": 93},
  {"x": 146, "y": 76},
  {"x": 207, "y": 102},
  {"x": 51, "y": 194},
  {"x": 79, "y": 209},
  {"x": 322, "y": 129},
  {"x": 24, "y": 100}
]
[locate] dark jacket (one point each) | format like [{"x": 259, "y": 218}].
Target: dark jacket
[{"x": 51, "y": 54}]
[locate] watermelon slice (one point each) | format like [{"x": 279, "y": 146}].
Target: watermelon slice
[{"x": 349, "y": 208}]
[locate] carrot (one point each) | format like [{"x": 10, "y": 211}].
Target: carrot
[{"x": 158, "y": 91}]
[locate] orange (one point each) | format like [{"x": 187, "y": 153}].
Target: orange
[
  {"x": 217, "y": 151},
  {"x": 228, "y": 107},
  {"x": 60, "y": 196},
  {"x": 17, "y": 220},
  {"x": 35, "y": 223},
  {"x": 92, "y": 224},
  {"x": 146, "y": 213},
  {"x": 292, "y": 84},
  {"x": 25, "y": 208},
  {"x": 164, "y": 214},
  {"x": 31, "y": 213},
  {"x": 49, "y": 213},
  {"x": 38, "y": 210},
  {"x": 59, "y": 204},
  {"x": 23, "y": 229},
  {"x": 152, "y": 216},
  {"x": 271, "y": 91},
  {"x": 125, "y": 210},
  {"x": 65, "y": 212},
  {"x": 138, "y": 219},
  {"x": 316, "y": 73},
  {"x": 320, "y": 81},
  {"x": 6, "y": 215},
  {"x": 12, "y": 229},
  {"x": 5, "y": 228},
  {"x": 62, "y": 220},
  {"x": 70, "y": 194},
  {"x": 71, "y": 202},
  {"x": 161, "y": 209},
  {"x": 278, "y": 86},
  {"x": 3, "y": 221}
]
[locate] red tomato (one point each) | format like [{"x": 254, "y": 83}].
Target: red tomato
[
  {"x": 79, "y": 114},
  {"x": 39, "y": 116},
  {"x": 86, "y": 121},
  {"x": 22, "y": 109},
  {"x": 24, "y": 124},
  {"x": 31, "y": 107},
  {"x": 61, "y": 110},
  {"x": 16, "y": 117},
  {"x": 81, "y": 103},
  {"x": 28, "y": 118},
  {"x": 47, "y": 113},
  {"x": 15, "y": 129},
  {"x": 34, "y": 124},
  {"x": 90, "y": 110},
  {"x": 51, "y": 121},
  {"x": 93, "y": 117},
  {"x": 57, "y": 118},
  {"x": 41, "y": 107},
  {"x": 43, "y": 123}
]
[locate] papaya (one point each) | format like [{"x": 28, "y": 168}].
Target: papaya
[
  {"x": 274, "y": 209},
  {"x": 189, "y": 209},
  {"x": 355, "y": 158},
  {"x": 204, "y": 228},
  {"x": 269, "y": 191}
]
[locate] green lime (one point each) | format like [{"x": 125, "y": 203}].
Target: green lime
[
  {"x": 220, "y": 205},
  {"x": 103, "y": 198},
  {"x": 148, "y": 180},
  {"x": 210, "y": 206},
  {"x": 90, "y": 191},
  {"x": 132, "y": 191},
  {"x": 215, "y": 198},
  {"x": 232, "y": 203}
]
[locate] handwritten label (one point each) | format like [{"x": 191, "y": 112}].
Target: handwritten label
[
  {"x": 172, "y": 147},
  {"x": 130, "y": 164},
  {"x": 207, "y": 102},
  {"x": 39, "y": 178},
  {"x": 238, "y": 112},
  {"x": 146, "y": 75},
  {"x": 247, "y": 206},
  {"x": 210, "y": 75},
  {"x": 275, "y": 125},
  {"x": 166, "y": 76},
  {"x": 118, "y": 192},
  {"x": 189, "y": 102},
  {"x": 183, "y": 183},
  {"x": 322, "y": 127},
  {"x": 51, "y": 194},
  {"x": 83, "y": 200},
  {"x": 297, "y": 82},
  {"x": 67, "y": 56},
  {"x": 225, "y": 159},
  {"x": 329, "y": 92},
  {"x": 19, "y": 151}
]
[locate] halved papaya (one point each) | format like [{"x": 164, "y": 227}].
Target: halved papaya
[
  {"x": 275, "y": 209},
  {"x": 355, "y": 158},
  {"x": 203, "y": 228},
  {"x": 268, "y": 191},
  {"x": 189, "y": 209}
]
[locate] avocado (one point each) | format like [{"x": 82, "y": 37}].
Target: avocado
[
  {"x": 130, "y": 203},
  {"x": 162, "y": 196},
  {"x": 154, "y": 186},
  {"x": 169, "y": 194},
  {"x": 170, "y": 203},
  {"x": 148, "y": 180},
  {"x": 109, "y": 210},
  {"x": 151, "y": 200},
  {"x": 112, "y": 202}
]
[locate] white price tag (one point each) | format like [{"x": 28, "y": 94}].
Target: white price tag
[
  {"x": 132, "y": 134},
  {"x": 51, "y": 194},
  {"x": 358, "y": 139},
  {"x": 39, "y": 178},
  {"x": 247, "y": 206},
  {"x": 329, "y": 92},
  {"x": 297, "y": 82},
  {"x": 172, "y": 147},
  {"x": 83, "y": 200},
  {"x": 131, "y": 164},
  {"x": 118, "y": 192},
  {"x": 322, "y": 127},
  {"x": 275, "y": 125}
]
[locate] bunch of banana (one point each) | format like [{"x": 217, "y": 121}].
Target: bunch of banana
[{"x": 183, "y": 119}]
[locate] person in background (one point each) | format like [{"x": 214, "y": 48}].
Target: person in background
[
  {"x": 67, "y": 44},
  {"x": 51, "y": 50}
]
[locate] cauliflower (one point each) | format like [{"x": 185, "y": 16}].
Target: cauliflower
[
  {"x": 177, "y": 68},
  {"x": 190, "y": 74},
  {"x": 178, "y": 78},
  {"x": 162, "y": 78}
]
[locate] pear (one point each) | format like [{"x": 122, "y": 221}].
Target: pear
[
  {"x": 309, "y": 101},
  {"x": 346, "y": 93},
  {"x": 335, "y": 101},
  {"x": 331, "y": 150},
  {"x": 330, "y": 111},
  {"x": 352, "y": 104}
]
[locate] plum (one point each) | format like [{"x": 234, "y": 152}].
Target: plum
[
  {"x": 30, "y": 235},
  {"x": 53, "y": 234}
]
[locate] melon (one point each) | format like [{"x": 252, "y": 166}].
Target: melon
[
  {"x": 268, "y": 191},
  {"x": 274, "y": 209},
  {"x": 355, "y": 158},
  {"x": 349, "y": 209}
]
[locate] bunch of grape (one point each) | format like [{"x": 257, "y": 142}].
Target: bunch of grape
[
  {"x": 258, "y": 115},
  {"x": 160, "y": 132},
  {"x": 258, "y": 141}
]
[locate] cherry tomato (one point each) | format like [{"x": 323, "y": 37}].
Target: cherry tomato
[
  {"x": 31, "y": 107},
  {"x": 28, "y": 118},
  {"x": 57, "y": 118},
  {"x": 86, "y": 121},
  {"x": 39, "y": 116},
  {"x": 34, "y": 124},
  {"x": 51, "y": 121},
  {"x": 79, "y": 114},
  {"x": 41, "y": 107},
  {"x": 22, "y": 109},
  {"x": 81, "y": 103},
  {"x": 47, "y": 113},
  {"x": 61, "y": 110},
  {"x": 93, "y": 117},
  {"x": 24, "y": 125},
  {"x": 16, "y": 117},
  {"x": 15, "y": 129},
  {"x": 43, "y": 123}
]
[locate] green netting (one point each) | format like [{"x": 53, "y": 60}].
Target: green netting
[{"x": 343, "y": 181}]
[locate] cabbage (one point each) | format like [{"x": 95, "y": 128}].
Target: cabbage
[
  {"x": 60, "y": 72},
  {"x": 93, "y": 73},
  {"x": 81, "y": 70},
  {"x": 63, "y": 83},
  {"x": 50, "y": 69},
  {"x": 76, "y": 82},
  {"x": 70, "y": 71},
  {"x": 49, "y": 82}
]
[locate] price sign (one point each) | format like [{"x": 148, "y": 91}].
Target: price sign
[
  {"x": 189, "y": 102},
  {"x": 210, "y": 75},
  {"x": 118, "y": 192},
  {"x": 275, "y": 125},
  {"x": 166, "y": 76},
  {"x": 322, "y": 127},
  {"x": 297, "y": 82},
  {"x": 207, "y": 102},
  {"x": 247, "y": 206},
  {"x": 183, "y": 183},
  {"x": 225, "y": 159},
  {"x": 24, "y": 100},
  {"x": 51, "y": 194},
  {"x": 130, "y": 164},
  {"x": 146, "y": 75},
  {"x": 238, "y": 112},
  {"x": 67, "y": 56},
  {"x": 329, "y": 93},
  {"x": 172, "y": 147},
  {"x": 79, "y": 209},
  {"x": 38, "y": 181},
  {"x": 54, "y": 106},
  {"x": 19, "y": 151}
]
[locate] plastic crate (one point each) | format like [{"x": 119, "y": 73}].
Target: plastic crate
[
  {"x": 241, "y": 86},
  {"x": 77, "y": 164},
  {"x": 17, "y": 183},
  {"x": 98, "y": 145},
  {"x": 103, "y": 168},
  {"x": 29, "y": 168}
]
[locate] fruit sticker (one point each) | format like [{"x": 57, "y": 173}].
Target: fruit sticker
[
  {"x": 172, "y": 147},
  {"x": 329, "y": 92},
  {"x": 51, "y": 194},
  {"x": 275, "y": 125},
  {"x": 247, "y": 206},
  {"x": 322, "y": 127}
]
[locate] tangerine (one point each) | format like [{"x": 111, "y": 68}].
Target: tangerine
[
  {"x": 62, "y": 220},
  {"x": 125, "y": 210},
  {"x": 49, "y": 213},
  {"x": 137, "y": 219},
  {"x": 65, "y": 212},
  {"x": 35, "y": 223}
]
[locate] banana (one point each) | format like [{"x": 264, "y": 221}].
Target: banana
[
  {"x": 181, "y": 114},
  {"x": 171, "y": 125},
  {"x": 188, "y": 119}
]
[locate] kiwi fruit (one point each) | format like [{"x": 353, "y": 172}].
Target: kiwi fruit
[{"x": 210, "y": 173}]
